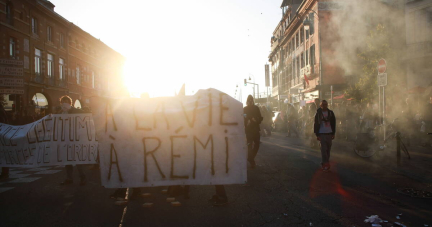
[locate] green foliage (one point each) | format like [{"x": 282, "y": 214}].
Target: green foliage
[{"x": 376, "y": 46}]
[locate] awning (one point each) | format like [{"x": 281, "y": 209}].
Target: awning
[{"x": 339, "y": 97}]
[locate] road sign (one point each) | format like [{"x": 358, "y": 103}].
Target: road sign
[
  {"x": 12, "y": 91},
  {"x": 11, "y": 71},
  {"x": 382, "y": 79},
  {"x": 382, "y": 66},
  {"x": 11, "y": 82},
  {"x": 11, "y": 62}
]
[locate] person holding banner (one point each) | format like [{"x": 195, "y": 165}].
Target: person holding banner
[
  {"x": 252, "y": 121},
  {"x": 67, "y": 108}
]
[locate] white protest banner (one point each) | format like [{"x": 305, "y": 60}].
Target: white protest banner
[
  {"x": 60, "y": 139},
  {"x": 183, "y": 140}
]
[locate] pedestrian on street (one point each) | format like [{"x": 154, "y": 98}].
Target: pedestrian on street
[
  {"x": 292, "y": 118},
  {"x": 427, "y": 118},
  {"x": 325, "y": 130},
  {"x": 252, "y": 120},
  {"x": 67, "y": 108}
]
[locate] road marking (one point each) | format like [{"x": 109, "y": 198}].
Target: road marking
[
  {"x": 125, "y": 209},
  {"x": 3, "y": 189},
  {"x": 24, "y": 180}
]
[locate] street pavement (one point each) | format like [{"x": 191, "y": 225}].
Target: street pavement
[{"x": 287, "y": 188}]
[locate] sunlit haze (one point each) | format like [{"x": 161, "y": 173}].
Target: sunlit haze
[{"x": 167, "y": 43}]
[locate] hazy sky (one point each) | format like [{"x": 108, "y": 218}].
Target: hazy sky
[{"x": 170, "y": 42}]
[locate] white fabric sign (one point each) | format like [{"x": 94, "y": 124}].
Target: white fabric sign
[
  {"x": 60, "y": 139},
  {"x": 183, "y": 140}
]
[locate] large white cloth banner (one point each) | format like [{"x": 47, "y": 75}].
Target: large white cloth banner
[
  {"x": 182, "y": 140},
  {"x": 59, "y": 139}
]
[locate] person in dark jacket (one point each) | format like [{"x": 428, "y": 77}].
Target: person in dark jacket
[
  {"x": 325, "y": 130},
  {"x": 252, "y": 121},
  {"x": 67, "y": 108}
]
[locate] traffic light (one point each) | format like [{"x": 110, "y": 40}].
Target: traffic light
[
  {"x": 245, "y": 82},
  {"x": 13, "y": 108}
]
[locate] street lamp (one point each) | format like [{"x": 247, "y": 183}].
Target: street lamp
[{"x": 308, "y": 24}]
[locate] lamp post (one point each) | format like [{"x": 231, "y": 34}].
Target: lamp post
[
  {"x": 255, "y": 84},
  {"x": 307, "y": 23}
]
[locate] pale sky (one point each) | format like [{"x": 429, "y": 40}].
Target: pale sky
[{"x": 170, "y": 42}]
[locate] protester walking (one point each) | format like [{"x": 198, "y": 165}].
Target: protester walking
[
  {"x": 67, "y": 108},
  {"x": 325, "y": 130},
  {"x": 252, "y": 120}
]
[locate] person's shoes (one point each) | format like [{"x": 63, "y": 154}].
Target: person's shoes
[
  {"x": 4, "y": 176},
  {"x": 213, "y": 199},
  {"x": 221, "y": 202},
  {"x": 67, "y": 182},
  {"x": 83, "y": 182}
]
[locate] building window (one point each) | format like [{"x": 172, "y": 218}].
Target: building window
[
  {"x": 34, "y": 25},
  {"x": 302, "y": 35},
  {"x": 307, "y": 57},
  {"x": 61, "y": 40},
  {"x": 297, "y": 36},
  {"x": 307, "y": 34},
  {"x": 49, "y": 33},
  {"x": 311, "y": 29},
  {"x": 77, "y": 75},
  {"x": 50, "y": 66},
  {"x": 312, "y": 58},
  {"x": 9, "y": 13},
  {"x": 302, "y": 60},
  {"x": 61, "y": 68},
  {"x": 12, "y": 46},
  {"x": 37, "y": 61},
  {"x": 93, "y": 80}
]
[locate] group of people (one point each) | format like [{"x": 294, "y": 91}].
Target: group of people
[
  {"x": 324, "y": 128},
  {"x": 413, "y": 122}
]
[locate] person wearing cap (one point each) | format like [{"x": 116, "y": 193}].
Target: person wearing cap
[{"x": 252, "y": 121}]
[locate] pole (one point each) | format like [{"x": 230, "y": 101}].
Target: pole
[
  {"x": 320, "y": 59},
  {"x": 331, "y": 95},
  {"x": 398, "y": 148},
  {"x": 384, "y": 105}
]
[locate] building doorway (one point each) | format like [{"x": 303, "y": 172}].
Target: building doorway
[
  {"x": 77, "y": 104},
  {"x": 41, "y": 105}
]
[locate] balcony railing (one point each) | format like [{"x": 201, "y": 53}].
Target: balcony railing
[
  {"x": 50, "y": 81},
  {"x": 37, "y": 78},
  {"x": 61, "y": 83}
]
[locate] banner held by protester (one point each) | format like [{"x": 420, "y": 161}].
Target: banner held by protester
[
  {"x": 182, "y": 140},
  {"x": 59, "y": 139}
]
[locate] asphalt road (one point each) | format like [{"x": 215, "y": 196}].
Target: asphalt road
[{"x": 287, "y": 188}]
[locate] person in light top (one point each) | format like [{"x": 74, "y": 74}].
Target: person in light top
[{"x": 325, "y": 130}]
